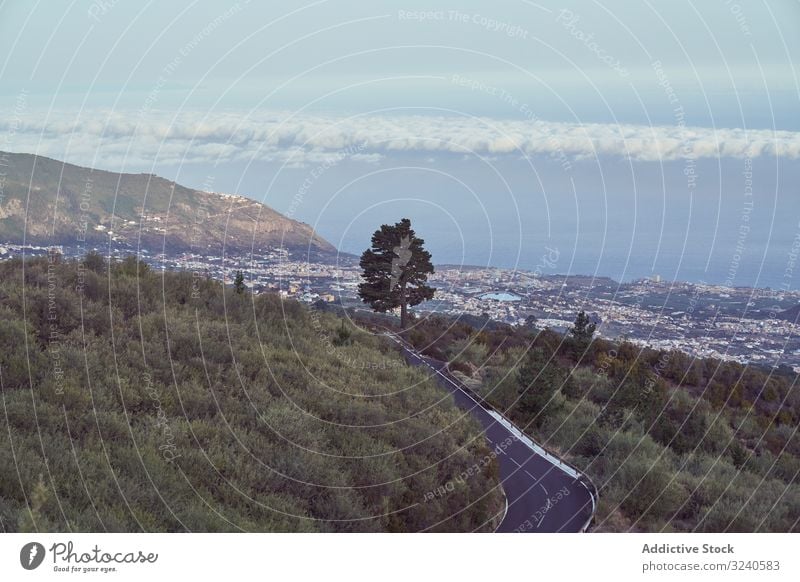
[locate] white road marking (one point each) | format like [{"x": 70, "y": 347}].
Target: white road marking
[{"x": 517, "y": 433}]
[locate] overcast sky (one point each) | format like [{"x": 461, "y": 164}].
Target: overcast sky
[{"x": 582, "y": 61}]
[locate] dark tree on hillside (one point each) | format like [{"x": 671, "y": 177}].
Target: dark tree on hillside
[
  {"x": 539, "y": 378},
  {"x": 238, "y": 283},
  {"x": 583, "y": 330},
  {"x": 94, "y": 261},
  {"x": 395, "y": 270}
]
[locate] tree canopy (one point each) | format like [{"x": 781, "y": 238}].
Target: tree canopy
[
  {"x": 395, "y": 270},
  {"x": 583, "y": 329},
  {"x": 238, "y": 283}
]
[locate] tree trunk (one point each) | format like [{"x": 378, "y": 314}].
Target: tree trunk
[{"x": 403, "y": 314}]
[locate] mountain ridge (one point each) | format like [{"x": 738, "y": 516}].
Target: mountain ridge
[{"x": 49, "y": 202}]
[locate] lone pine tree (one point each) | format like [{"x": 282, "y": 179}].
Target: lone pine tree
[
  {"x": 584, "y": 329},
  {"x": 395, "y": 270},
  {"x": 238, "y": 283}
]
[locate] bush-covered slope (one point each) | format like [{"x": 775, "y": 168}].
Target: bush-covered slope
[
  {"x": 135, "y": 400},
  {"x": 672, "y": 443}
]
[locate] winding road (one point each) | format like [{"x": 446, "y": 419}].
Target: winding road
[{"x": 543, "y": 493}]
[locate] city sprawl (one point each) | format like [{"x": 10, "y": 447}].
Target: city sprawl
[{"x": 757, "y": 326}]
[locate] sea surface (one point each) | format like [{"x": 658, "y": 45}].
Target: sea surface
[{"x": 727, "y": 221}]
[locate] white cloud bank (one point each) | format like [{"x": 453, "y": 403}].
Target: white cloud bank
[{"x": 143, "y": 139}]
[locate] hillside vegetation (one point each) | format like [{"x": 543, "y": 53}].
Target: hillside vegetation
[
  {"x": 134, "y": 400},
  {"x": 672, "y": 443}
]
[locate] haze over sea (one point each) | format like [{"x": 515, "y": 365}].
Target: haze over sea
[{"x": 621, "y": 221}]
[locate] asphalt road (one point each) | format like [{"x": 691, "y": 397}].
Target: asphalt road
[{"x": 543, "y": 494}]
